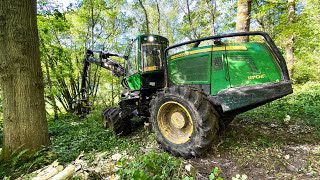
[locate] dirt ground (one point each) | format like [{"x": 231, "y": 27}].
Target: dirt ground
[{"x": 262, "y": 151}]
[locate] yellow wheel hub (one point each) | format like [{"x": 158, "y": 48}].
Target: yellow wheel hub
[{"x": 175, "y": 122}]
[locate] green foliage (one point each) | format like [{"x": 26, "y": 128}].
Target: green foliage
[
  {"x": 215, "y": 174},
  {"x": 70, "y": 136},
  {"x": 307, "y": 46},
  {"x": 272, "y": 17},
  {"x": 23, "y": 162},
  {"x": 151, "y": 166},
  {"x": 302, "y": 106}
]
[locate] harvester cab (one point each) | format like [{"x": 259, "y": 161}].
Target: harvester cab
[
  {"x": 189, "y": 94},
  {"x": 144, "y": 65}
]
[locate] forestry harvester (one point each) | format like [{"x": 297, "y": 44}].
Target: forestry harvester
[{"x": 188, "y": 95}]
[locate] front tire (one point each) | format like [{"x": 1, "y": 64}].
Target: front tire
[{"x": 184, "y": 120}]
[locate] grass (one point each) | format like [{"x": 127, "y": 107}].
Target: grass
[
  {"x": 303, "y": 107},
  {"x": 257, "y": 138}
]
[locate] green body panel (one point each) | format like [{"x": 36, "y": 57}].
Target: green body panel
[
  {"x": 242, "y": 64},
  {"x": 254, "y": 66},
  {"x": 191, "y": 69},
  {"x": 134, "y": 82},
  {"x": 220, "y": 78}
]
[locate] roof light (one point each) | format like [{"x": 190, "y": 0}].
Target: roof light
[{"x": 150, "y": 38}]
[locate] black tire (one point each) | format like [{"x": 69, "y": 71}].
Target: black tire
[
  {"x": 105, "y": 117},
  {"x": 112, "y": 120},
  {"x": 205, "y": 120}
]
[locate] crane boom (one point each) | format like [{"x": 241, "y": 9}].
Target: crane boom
[{"x": 103, "y": 60}]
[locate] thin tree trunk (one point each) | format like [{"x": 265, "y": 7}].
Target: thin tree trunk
[
  {"x": 212, "y": 6},
  {"x": 92, "y": 25},
  {"x": 290, "y": 41},
  {"x": 243, "y": 19},
  {"x": 51, "y": 96},
  {"x": 63, "y": 89},
  {"x": 190, "y": 21},
  {"x": 25, "y": 124},
  {"x": 159, "y": 15},
  {"x": 145, "y": 15},
  {"x": 112, "y": 100}
]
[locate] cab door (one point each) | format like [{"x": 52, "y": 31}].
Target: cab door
[{"x": 132, "y": 71}]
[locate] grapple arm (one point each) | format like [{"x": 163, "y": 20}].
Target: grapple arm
[
  {"x": 104, "y": 61},
  {"x": 101, "y": 59}
]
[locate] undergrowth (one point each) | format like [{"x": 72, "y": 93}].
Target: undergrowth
[
  {"x": 69, "y": 137},
  {"x": 303, "y": 107},
  {"x": 151, "y": 166}
]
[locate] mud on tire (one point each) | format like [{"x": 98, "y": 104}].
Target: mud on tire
[{"x": 205, "y": 120}]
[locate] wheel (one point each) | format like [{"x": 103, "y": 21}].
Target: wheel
[
  {"x": 105, "y": 117},
  {"x": 184, "y": 121},
  {"x": 112, "y": 120}
]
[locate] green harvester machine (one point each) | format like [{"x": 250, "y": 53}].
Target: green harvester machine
[{"x": 190, "y": 94}]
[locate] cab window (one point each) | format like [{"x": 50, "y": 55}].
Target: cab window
[
  {"x": 132, "y": 63},
  {"x": 151, "y": 56}
]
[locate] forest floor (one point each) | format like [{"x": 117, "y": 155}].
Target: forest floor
[
  {"x": 263, "y": 151},
  {"x": 280, "y": 140}
]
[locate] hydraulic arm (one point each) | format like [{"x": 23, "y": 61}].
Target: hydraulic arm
[{"x": 101, "y": 60}]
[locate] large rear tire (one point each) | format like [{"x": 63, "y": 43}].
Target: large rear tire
[
  {"x": 112, "y": 120},
  {"x": 184, "y": 121}
]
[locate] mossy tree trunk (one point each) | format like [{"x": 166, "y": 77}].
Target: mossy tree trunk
[
  {"x": 243, "y": 19},
  {"x": 25, "y": 125}
]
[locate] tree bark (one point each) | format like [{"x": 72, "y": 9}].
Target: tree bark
[
  {"x": 243, "y": 19},
  {"x": 145, "y": 15},
  {"x": 25, "y": 124},
  {"x": 290, "y": 41}
]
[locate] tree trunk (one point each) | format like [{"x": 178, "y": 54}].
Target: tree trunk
[
  {"x": 25, "y": 124},
  {"x": 190, "y": 21},
  {"x": 51, "y": 96},
  {"x": 145, "y": 15},
  {"x": 243, "y": 19},
  {"x": 290, "y": 41},
  {"x": 212, "y": 5},
  {"x": 92, "y": 24},
  {"x": 112, "y": 89},
  {"x": 159, "y": 15}
]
